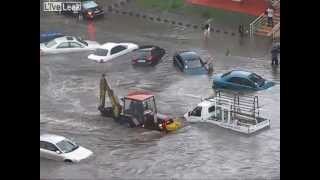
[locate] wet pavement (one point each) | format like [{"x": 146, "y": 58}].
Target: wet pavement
[{"x": 69, "y": 100}]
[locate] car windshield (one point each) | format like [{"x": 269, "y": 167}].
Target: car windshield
[
  {"x": 257, "y": 79},
  {"x": 82, "y": 41},
  {"x": 143, "y": 53},
  {"x": 50, "y": 43},
  {"x": 89, "y": 4},
  {"x": 195, "y": 63},
  {"x": 226, "y": 74},
  {"x": 67, "y": 146},
  {"x": 101, "y": 52}
]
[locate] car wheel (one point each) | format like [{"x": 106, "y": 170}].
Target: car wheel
[{"x": 67, "y": 161}]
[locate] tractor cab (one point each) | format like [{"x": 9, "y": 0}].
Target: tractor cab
[{"x": 141, "y": 106}]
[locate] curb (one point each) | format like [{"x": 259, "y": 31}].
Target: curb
[{"x": 114, "y": 8}]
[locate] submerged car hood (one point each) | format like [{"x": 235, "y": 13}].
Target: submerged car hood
[{"x": 79, "y": 154}]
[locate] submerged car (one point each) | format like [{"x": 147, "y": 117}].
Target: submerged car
[
  {"x": 59, "y": 148},
  {"x": 148, "y": 55},
  {"x": 109, "y": 51},
  {"x": 48, "y": 36},
  {"x": 241, "y": 80},
  {"x": 67, "y": 44},
  {"x": 89, "y": 10},
  {"x": 189, "y": 62}
]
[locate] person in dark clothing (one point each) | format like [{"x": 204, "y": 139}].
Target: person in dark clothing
[
  {"x": 207, "y": 29},
  {"x": 274, "y": 54}
]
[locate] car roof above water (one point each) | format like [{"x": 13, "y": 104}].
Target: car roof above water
[
  {"x": 65, "y": 39},
  {"x": 188, "y": 55},
  {"x": 239, "y": 73},
  {"x": 52, "y": 138}
]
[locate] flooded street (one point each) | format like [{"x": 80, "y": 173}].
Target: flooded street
[{"x": 69, "y": 89}]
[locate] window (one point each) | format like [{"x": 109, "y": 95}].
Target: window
[
  {"x": 226, "y": 74},
  {"x": 179, "y": 60},
  {"x": 48, "y": 146},
  {"x": 75, "y": 45},
  {"x": 43, "y": 145},
  {"x": 67, "y": 146},
  {"x": 101, "y": 52},
  {"x": 50, "y": 44},
  {"x": 196, "y": 111},
  {"x": 241, "y": 81},
  {"x": 82, "y": 41},
  {"x": 149, "y": 105},
  {"x": 211, "y": 109},
  {"x": 246, "y": 82},
  {"x": 195, "y": 63},
  {"x": 235, "y": 80},
  {"x": 155, "y": 52},
  {"x": 64, "y": 45},
  {"x": 142, "y": 53},
  {"x": 117, "y": 49},
  {"x": 257, "y": 79}
]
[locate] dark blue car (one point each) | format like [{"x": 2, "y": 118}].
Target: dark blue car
[
  {"x": 48, "y": 36},
  {"x": 240, "y": 80},
  {"x": 189, "y": 62}
]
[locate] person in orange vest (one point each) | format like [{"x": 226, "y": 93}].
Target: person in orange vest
[{"x": 91, "y": 31}]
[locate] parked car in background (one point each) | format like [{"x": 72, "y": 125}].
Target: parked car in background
[
  {"x": 189, "y": 62},
  {"x": 67, "y": 44},
  {"x": 89, "y": 10},
  {"x": 147, "y": 55},
  {"x": 109, "y": 51},
  {"x": 59, "y": 148},
  {"x": 241, "y": 80},
  {"x": 48, "y": 36}
]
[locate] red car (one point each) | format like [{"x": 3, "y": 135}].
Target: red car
[{"x": 149, "y": 55}]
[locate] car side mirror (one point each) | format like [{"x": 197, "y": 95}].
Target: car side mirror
[{"x": 189, "y": 113}]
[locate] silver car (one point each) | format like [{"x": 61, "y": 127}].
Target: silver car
[
  {"x": 67, "y": 44},
  {"x": 61, "y": 149}
]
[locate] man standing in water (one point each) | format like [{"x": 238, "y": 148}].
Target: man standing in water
[
  {"x": 103, "y": 87},
  {"x": 275, "y": 51},
  {"x": 206, "y": 32},
  {"x": 210, "y": 66}
]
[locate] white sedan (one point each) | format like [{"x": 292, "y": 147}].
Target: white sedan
[
  {"x": 110, "y": 51},
  {"x": 67, "y": 44},
  {"x": 61, "y": 149}
]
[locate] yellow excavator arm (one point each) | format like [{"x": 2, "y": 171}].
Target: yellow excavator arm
[{"x": 105, "y": 89}]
